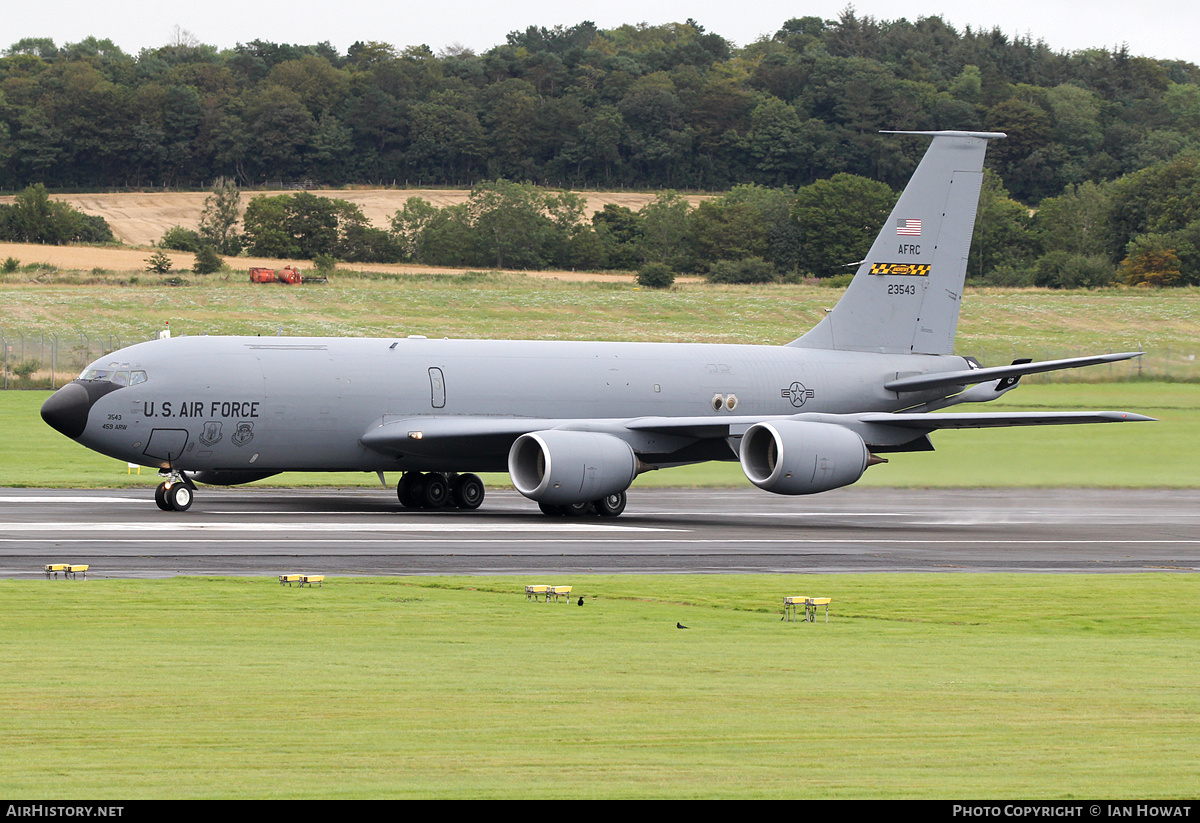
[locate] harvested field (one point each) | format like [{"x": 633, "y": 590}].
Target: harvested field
[{"x": 87, "y": 258}]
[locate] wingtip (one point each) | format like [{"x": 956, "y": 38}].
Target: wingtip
[{"x": 1128, "y": 417}]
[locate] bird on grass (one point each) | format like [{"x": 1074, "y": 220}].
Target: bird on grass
[
  {"x": 581, "y": 601},
  {"x": 680, "y": 626}
]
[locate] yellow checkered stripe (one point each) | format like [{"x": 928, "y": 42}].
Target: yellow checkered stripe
[{"x": 910, "y": 269}]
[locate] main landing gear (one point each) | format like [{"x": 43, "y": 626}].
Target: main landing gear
[
  {"x": 175, "y": 494},
  {"x": 433, "y": 490},
  {"x": 609, "y": 506}
]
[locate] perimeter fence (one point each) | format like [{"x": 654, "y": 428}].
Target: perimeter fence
[{"x": 47, "y": 360}]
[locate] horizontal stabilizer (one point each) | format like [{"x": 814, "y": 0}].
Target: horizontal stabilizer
[
  {"x": 968, "y": 376},
  {"x": 991, "y": 420},
  {"x": 986, "y": 135}
]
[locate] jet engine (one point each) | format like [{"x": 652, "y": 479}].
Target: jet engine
[
  {"x": 563, "y": 467},
  {"x": 795, "y": 457}
]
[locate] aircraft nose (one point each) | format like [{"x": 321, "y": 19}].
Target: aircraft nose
[{"x": 67, "y": 409}]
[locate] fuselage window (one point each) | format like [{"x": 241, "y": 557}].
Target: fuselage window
[
  {"x": 437, "y": 388},
  {"x": 136, "y": 377},
  {"x": 121, "y": 378}
]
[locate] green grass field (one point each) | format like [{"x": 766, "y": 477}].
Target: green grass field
[
  {"x": 920, "y": 686},
  {"x": 1166, "y": 453},
  {"x": 995, "y": 324}
]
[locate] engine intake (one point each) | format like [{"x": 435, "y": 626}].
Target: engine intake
[
  {"x": 562, "y": 467},
  {"x": 797, "y": 457}
]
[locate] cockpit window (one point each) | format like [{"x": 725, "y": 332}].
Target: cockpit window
[{"x": 121, "y": 378}]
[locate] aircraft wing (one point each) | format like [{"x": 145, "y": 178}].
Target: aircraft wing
[
  {"x": 455, "y": 435},
  {"x": 881, "y": 431},
  {"x": 475, "y": 435},
  {"x": 479, "y": 436},
  {"x": 735, "y": 426}
]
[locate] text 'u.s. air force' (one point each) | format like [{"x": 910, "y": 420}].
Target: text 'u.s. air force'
[{"x": 202, "y": 408}]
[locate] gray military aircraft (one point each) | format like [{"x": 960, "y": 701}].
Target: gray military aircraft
[{"x": 574, "y": 423}]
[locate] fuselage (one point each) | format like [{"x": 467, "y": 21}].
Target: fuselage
[
  {"x": 573, "y": 423},
  {"x": 254, "y": 404}
]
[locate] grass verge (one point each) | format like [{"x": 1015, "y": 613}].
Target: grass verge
[
  {"x": 995, "y": 324},
  {"x": 929, "y": 686}
]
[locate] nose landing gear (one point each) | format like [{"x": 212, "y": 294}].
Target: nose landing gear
[{"x": 175, "y": 494}]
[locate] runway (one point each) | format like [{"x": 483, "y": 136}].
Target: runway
[{"x": 121, "y": 534}]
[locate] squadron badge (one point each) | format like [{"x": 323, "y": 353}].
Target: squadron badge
[
  {"x": 243, "y": 435},
  {"x": 211, "y": 434}
]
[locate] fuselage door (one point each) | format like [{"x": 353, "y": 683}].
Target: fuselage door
[
  {"x": 166, "y": 444},
  {"x": 437, "y": 388}
]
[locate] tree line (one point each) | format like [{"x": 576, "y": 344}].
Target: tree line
[
  {"x": 1143, "y": 229},
  {"x": 786, "y": 126},
  {"x": 35, "y": 218},
  {"x": 669, "y": 106}
]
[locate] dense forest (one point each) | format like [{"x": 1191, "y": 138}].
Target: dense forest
[{"x": 1095, "y": 137}]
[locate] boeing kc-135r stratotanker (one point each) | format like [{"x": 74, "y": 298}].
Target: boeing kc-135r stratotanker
[{"x": 575, "y": 423}]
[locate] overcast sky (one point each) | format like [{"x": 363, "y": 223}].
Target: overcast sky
[{"x": 1155, "y": 28}]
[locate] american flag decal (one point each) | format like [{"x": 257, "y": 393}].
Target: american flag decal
[{"x": 908, "y": 227}]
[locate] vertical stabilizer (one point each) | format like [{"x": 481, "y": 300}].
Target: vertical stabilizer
[{"x": 905, "y": 296}]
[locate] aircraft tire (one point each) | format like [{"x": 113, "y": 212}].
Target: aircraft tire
[
  {"x": 577, "y": 509},
  {"x": 408, "y": 491},
  {"x": 611, "y": 505},
  {"x": 160, "y": 497},
  {"x": 550, "y": 510},
  {"x": 180, "y": 497},
  {"x": 468, "y": 491},
  {"x": 436, "y": 492}
]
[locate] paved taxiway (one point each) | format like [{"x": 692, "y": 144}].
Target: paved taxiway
[{"x": 363, "y": 531}]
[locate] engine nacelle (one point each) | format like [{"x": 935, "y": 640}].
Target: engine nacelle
[
  {"x": 797, "y": 457},
  {"x": 562, "y": 467}
]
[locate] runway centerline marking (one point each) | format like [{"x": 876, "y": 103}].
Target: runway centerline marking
[
  {"x": 688, "y": 540},
  {"x": 68, "y": 499},
  {"x": 395, "y": 526}
]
